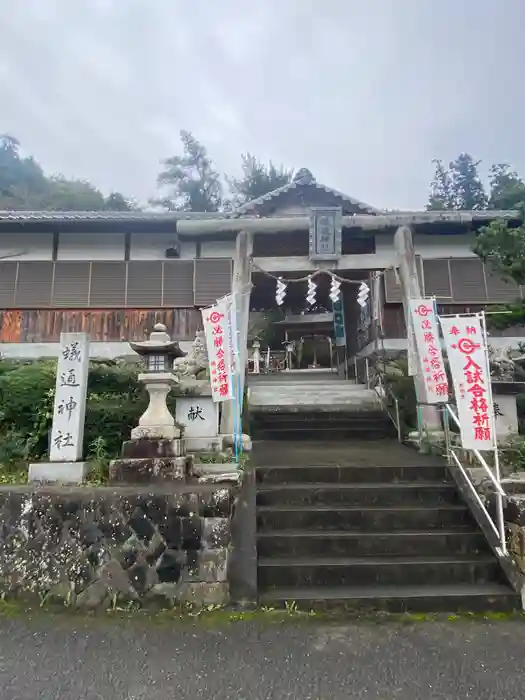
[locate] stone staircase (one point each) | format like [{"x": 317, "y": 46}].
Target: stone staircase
[
  {"x": 314, "y": 404},
  {"x": 364, "y": 525}
]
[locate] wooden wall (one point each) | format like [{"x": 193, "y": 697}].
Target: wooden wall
[
  {"x": 45, "y": 325},
  {"x": 394, "y": 320}
]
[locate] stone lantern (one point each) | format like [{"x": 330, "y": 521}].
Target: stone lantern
[
  {"x": 256, "y": 355},
  {"x": 155, "y": 451},
  {"x": 158, "y": 353},
  {"x": 289, "y": 348}
]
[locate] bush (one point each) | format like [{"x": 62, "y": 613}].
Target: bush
[
  {"x": 115, "y": 402},
  {"x": 394, "y": 375}
]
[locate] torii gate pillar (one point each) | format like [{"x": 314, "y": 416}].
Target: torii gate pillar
[
  {"x": 428, "y": 415},
  {"x": 241, "y": 288}
]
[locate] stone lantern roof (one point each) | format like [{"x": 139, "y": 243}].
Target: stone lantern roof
[{"x": 159, "y": 343}]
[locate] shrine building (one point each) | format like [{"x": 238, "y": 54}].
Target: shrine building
[{"x": 115, "y": 274}]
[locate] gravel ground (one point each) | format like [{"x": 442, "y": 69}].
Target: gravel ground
[{"x": 59, "y": 657}]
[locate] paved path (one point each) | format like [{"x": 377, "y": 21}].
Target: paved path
[{"x": 68, "y": 658}]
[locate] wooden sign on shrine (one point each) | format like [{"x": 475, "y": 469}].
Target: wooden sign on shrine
[{"x": 325, "y": 239}]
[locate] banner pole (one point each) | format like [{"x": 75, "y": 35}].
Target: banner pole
[{"x": 499, "y": 500}]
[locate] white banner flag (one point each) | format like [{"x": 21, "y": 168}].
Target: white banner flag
[
  {"x": 469, "y": 366},
  {"x": 428, "y": 348},
  {"x": 216, "y": 329}
]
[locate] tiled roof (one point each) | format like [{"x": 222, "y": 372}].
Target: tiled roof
[
  {"x": 302, "y": 178},
  {"x": 56, "y": 216}
]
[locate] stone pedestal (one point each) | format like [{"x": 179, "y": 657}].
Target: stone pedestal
[
  {"x": 200, "y": 416},
  {"x": 245, "y": 441},
  {"x": 66, "y": 473},
  {"x": 157, "y": 421},
  {"x": 148, "y": 460}
]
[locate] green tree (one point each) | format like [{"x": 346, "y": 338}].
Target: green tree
[
  {"x": 507, "y": 189},
  {"x": 503, "y": 246},
  {"x": 24, "y": 186},
  {"x": 441, "y": 192},
  {"x": 457, "y": 187},
  {"x": 467, "y": 188},
  {"x": 117, "y": 202},
  {"x": 21, "y": 178},
  {"x": 257, "y": 180},
  {"x": 72, "y": 195},
  {"x": 190, "y": 180}
]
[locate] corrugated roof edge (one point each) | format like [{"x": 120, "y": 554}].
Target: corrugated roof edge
[
  {"x": 17, "y": 215},
  {"x": 381, "y": 219}
]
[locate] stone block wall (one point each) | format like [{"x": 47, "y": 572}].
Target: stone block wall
[
  {"x": 88, "y": 547},
  {"x": 514, "y": 514}
]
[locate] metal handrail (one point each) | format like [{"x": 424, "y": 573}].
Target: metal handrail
[
  {"x": 498, "y": 527},
  {"x": 373, "y": 381},
  {"x": 388, "y": 392}
]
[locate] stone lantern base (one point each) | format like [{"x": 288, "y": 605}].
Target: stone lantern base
[{"x": 149, "y": 460}]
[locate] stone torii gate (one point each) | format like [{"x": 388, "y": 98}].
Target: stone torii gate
[{"x": 246, "y": 226}]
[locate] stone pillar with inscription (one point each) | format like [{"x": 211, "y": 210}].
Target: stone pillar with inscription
[
  {"x": 67, "y": 432},
  {"x": 199, "y": 414},
  {"x": 504, "y": 394}
]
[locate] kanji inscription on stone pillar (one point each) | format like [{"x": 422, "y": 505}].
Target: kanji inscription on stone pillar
[{"x": 67, "y": 432}]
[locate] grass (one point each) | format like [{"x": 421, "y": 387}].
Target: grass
[
  {"x": 217, "y": 616},
  {"x": 13, "y": 474}
]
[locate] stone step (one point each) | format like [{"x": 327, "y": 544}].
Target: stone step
[
  {"x": 322, "y": 383},
  {"x": 284, "y": 419},
  {"x": 350, "y": 473},
  {"x": 296, "y": 376},
  {"x": 315, "y": 543},
  {"x": 312, "y": 397},
  {"x": 455, "y": 598},
  {"x": 386, "y": 452},
  {"x": 326, "y": 427},
  {"x": 333, "y": 434},
  {"x": 360, "y": 526},
  {"x": 378, "y": 494},
  {"x": 361, "y": 519},
  {"x": 384, "y": 571}
]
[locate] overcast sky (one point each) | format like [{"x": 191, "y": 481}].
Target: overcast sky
[{"x": 362, "y": 92}]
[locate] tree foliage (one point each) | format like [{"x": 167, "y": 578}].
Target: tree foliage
[
  {"x": 24, "y": 186},
  {"x": 257, "y": 180},
  {"x": 503, "y": 246},
  {"x": 190, "y": 180},
  {"x": 467, "y": 188},
  {"x": 507, "y": 189},
  {"x": 457, "y": 187},
  {"x": 441, "y": 192}
]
